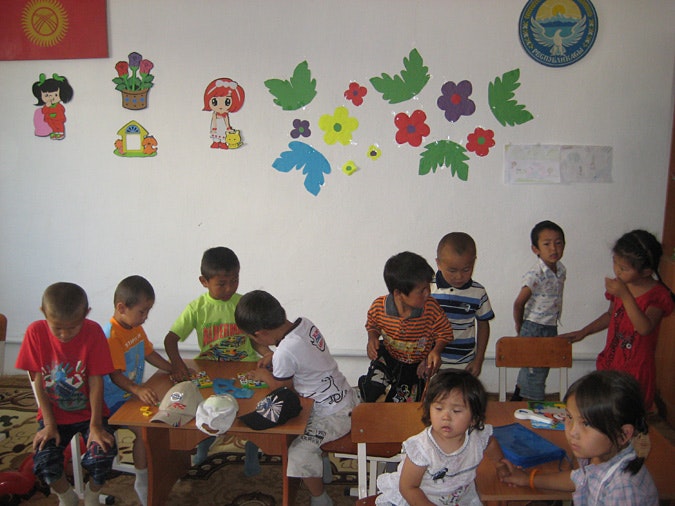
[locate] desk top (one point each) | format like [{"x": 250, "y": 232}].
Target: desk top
[{"x": 130, "y": 412}]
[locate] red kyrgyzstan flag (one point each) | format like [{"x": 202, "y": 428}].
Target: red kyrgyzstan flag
[{"x": 53, "y": 29}]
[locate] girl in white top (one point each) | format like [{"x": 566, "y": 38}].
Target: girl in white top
[{"x": 439, "y": 464}]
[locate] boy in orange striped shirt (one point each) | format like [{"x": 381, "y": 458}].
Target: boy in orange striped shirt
[{"x": 407, "y": 330}]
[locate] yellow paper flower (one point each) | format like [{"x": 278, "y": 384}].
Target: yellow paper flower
[
  {"x": 374, "y": 152},
  {"x": 338, "y": 127},
  {"x": 349, "y": 168}
]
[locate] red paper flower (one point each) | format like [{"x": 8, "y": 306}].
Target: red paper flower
[
  {"x": 411, "y": 129},
  {"x": 355, "y": 93},
  {"x": 480, "y": 141}
]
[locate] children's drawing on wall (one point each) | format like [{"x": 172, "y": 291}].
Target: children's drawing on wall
[
  {"x": 297, "y": 91},
  {"x": 222, "y": 97},
  {"x": 135, "y": 141},
  {"x": 134, "y": 81},
  {"x": 51, "y": 93}
]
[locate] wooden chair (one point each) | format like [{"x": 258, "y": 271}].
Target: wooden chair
[
  {"x": 380, "y": 428},
  {"x": 3, "y": 338},
  {"x": 553, "y": 352}
]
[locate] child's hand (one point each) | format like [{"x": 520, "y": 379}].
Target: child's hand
[
  {"x": 616, "y": 287},
  {"x": 44, "y": 435},
  {"x": 433, "y": 363},
  {"x": 573, "y": 337},
  {"x": 266, "y": 361},
  {"x": 100, "y": 436},
  {"x": 373, "y": 347},
  {"x": 179, "y": 372},
  {"x": 147, "y": 395},
  {"x": 474, "y": 368},
  {"x": 515, "y": 476}
]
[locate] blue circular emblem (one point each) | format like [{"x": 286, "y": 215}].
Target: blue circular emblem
[{"x": 557, "y": 33}]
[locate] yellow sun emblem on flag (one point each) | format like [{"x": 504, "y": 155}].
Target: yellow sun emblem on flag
[{"x": 44, "y": 22}]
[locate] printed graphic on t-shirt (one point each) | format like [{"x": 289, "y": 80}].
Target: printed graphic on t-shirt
[
  {"x": 317, "y": 339},
  {"x": 64, "y": 385}
]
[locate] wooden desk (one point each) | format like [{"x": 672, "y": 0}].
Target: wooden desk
[
  {"x": 660, "y": 462},
  {"x": 169, "y": 448}
]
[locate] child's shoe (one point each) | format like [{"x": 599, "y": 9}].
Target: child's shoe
[
  {"x": 141, "y": 485},
  {"x": 91, "y": 498}
]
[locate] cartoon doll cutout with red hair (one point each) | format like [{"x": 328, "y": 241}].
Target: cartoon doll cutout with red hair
[
  {"x": 223, "y": 96},
  {"x": 50, "y": 120}
]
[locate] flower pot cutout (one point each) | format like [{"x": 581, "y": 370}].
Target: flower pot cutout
[
  {"x": 134, "y": 81},
  {"x": 135, "y": 99}
]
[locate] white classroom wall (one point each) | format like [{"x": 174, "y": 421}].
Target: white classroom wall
[{"x": 73, "y": 211}]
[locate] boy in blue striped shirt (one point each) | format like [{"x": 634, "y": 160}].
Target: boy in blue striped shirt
[{"x": 464, "y": 301}]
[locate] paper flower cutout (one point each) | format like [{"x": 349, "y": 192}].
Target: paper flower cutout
[
  {"x": 374, "y": 152},
  {"x": 300, "y": 127},
  {"x": 480, "y": 141},
  {"x": 455, "y": 101},
  {"x": 406, "y": 85},
  {"x": 447, "y": 153},
  {"x": 349, "y": 168},
  {"x": 296, "y": 92},
  {"x": 411, "y": 129},
  {"x": 338, "y": 127},
  {"x": 355, "y": 93},
  {"x": 303, "y": 156},
  {"x": 500, "y": 98}
]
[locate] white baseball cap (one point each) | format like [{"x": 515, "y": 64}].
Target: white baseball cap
[{"x": 216, "y": 414}]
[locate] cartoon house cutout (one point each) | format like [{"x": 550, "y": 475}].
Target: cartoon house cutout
[{"x": 135, "y": 141}]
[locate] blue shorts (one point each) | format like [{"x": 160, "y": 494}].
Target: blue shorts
[
  {"x": 48, "y": 462},
  {"x": 532, "y": 380}
]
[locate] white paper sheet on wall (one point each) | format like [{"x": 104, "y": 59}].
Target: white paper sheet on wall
[{"x": 551, "y": 164}]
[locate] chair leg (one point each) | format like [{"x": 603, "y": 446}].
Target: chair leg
[
  {"x": 502, "y": 384},
  {"x": 76, "y": 457}
]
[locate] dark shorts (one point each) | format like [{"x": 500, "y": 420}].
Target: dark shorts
[{"x": 48, "y": 463}]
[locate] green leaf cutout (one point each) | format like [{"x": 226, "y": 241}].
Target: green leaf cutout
[
  {"x": 500, "y": 98},
  {"x": 406, "y": 85},
  {"x": 296, "y": 92},
  {"x": 447, "y": 153}
]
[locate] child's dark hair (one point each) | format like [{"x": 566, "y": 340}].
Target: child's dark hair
[
  {"x": 473, "y": 391},
  {"x": 218, "y": 259},
  {"x": 460, "y": 242},
  {"x": 65, "y": 301},
  {"x": 131, "y": 289},
  {"x": 405, "y": 271},
  {"x": 54, "y": 83},
  {"x": 608, "y": 400},
  {"x": 642, "y": 251},
  {"x": 545, "y": 225},
  {"x": 258, "y": 310}
]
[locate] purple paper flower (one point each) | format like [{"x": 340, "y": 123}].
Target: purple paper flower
[
  {"x": 135, "y": 59},
  {"x": 455, "y": 100},
  {"x": 300, "y": 127}
]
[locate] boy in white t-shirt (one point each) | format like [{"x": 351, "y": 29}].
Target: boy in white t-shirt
[{"x": 302, "y": 362}]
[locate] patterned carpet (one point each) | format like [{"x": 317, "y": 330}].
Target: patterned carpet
[{"x": 219, "y": 481}]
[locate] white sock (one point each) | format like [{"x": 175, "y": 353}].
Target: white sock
[
  {"x": 322, "y": 500},
  {"x": 90, "y": 497},
  {"x": 68, "y": 498},
  {"x": 141, "y": 485}
]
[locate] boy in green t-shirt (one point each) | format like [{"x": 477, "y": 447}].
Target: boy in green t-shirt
[{"x": 212, "y": 317}]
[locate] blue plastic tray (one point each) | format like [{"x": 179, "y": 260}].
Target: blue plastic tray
[{"x": 524, "y": 447}]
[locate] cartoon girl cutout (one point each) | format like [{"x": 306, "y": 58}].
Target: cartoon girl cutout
[
  {"x": 50, "y": 92},
  {"x": 222, "y": 96}
]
